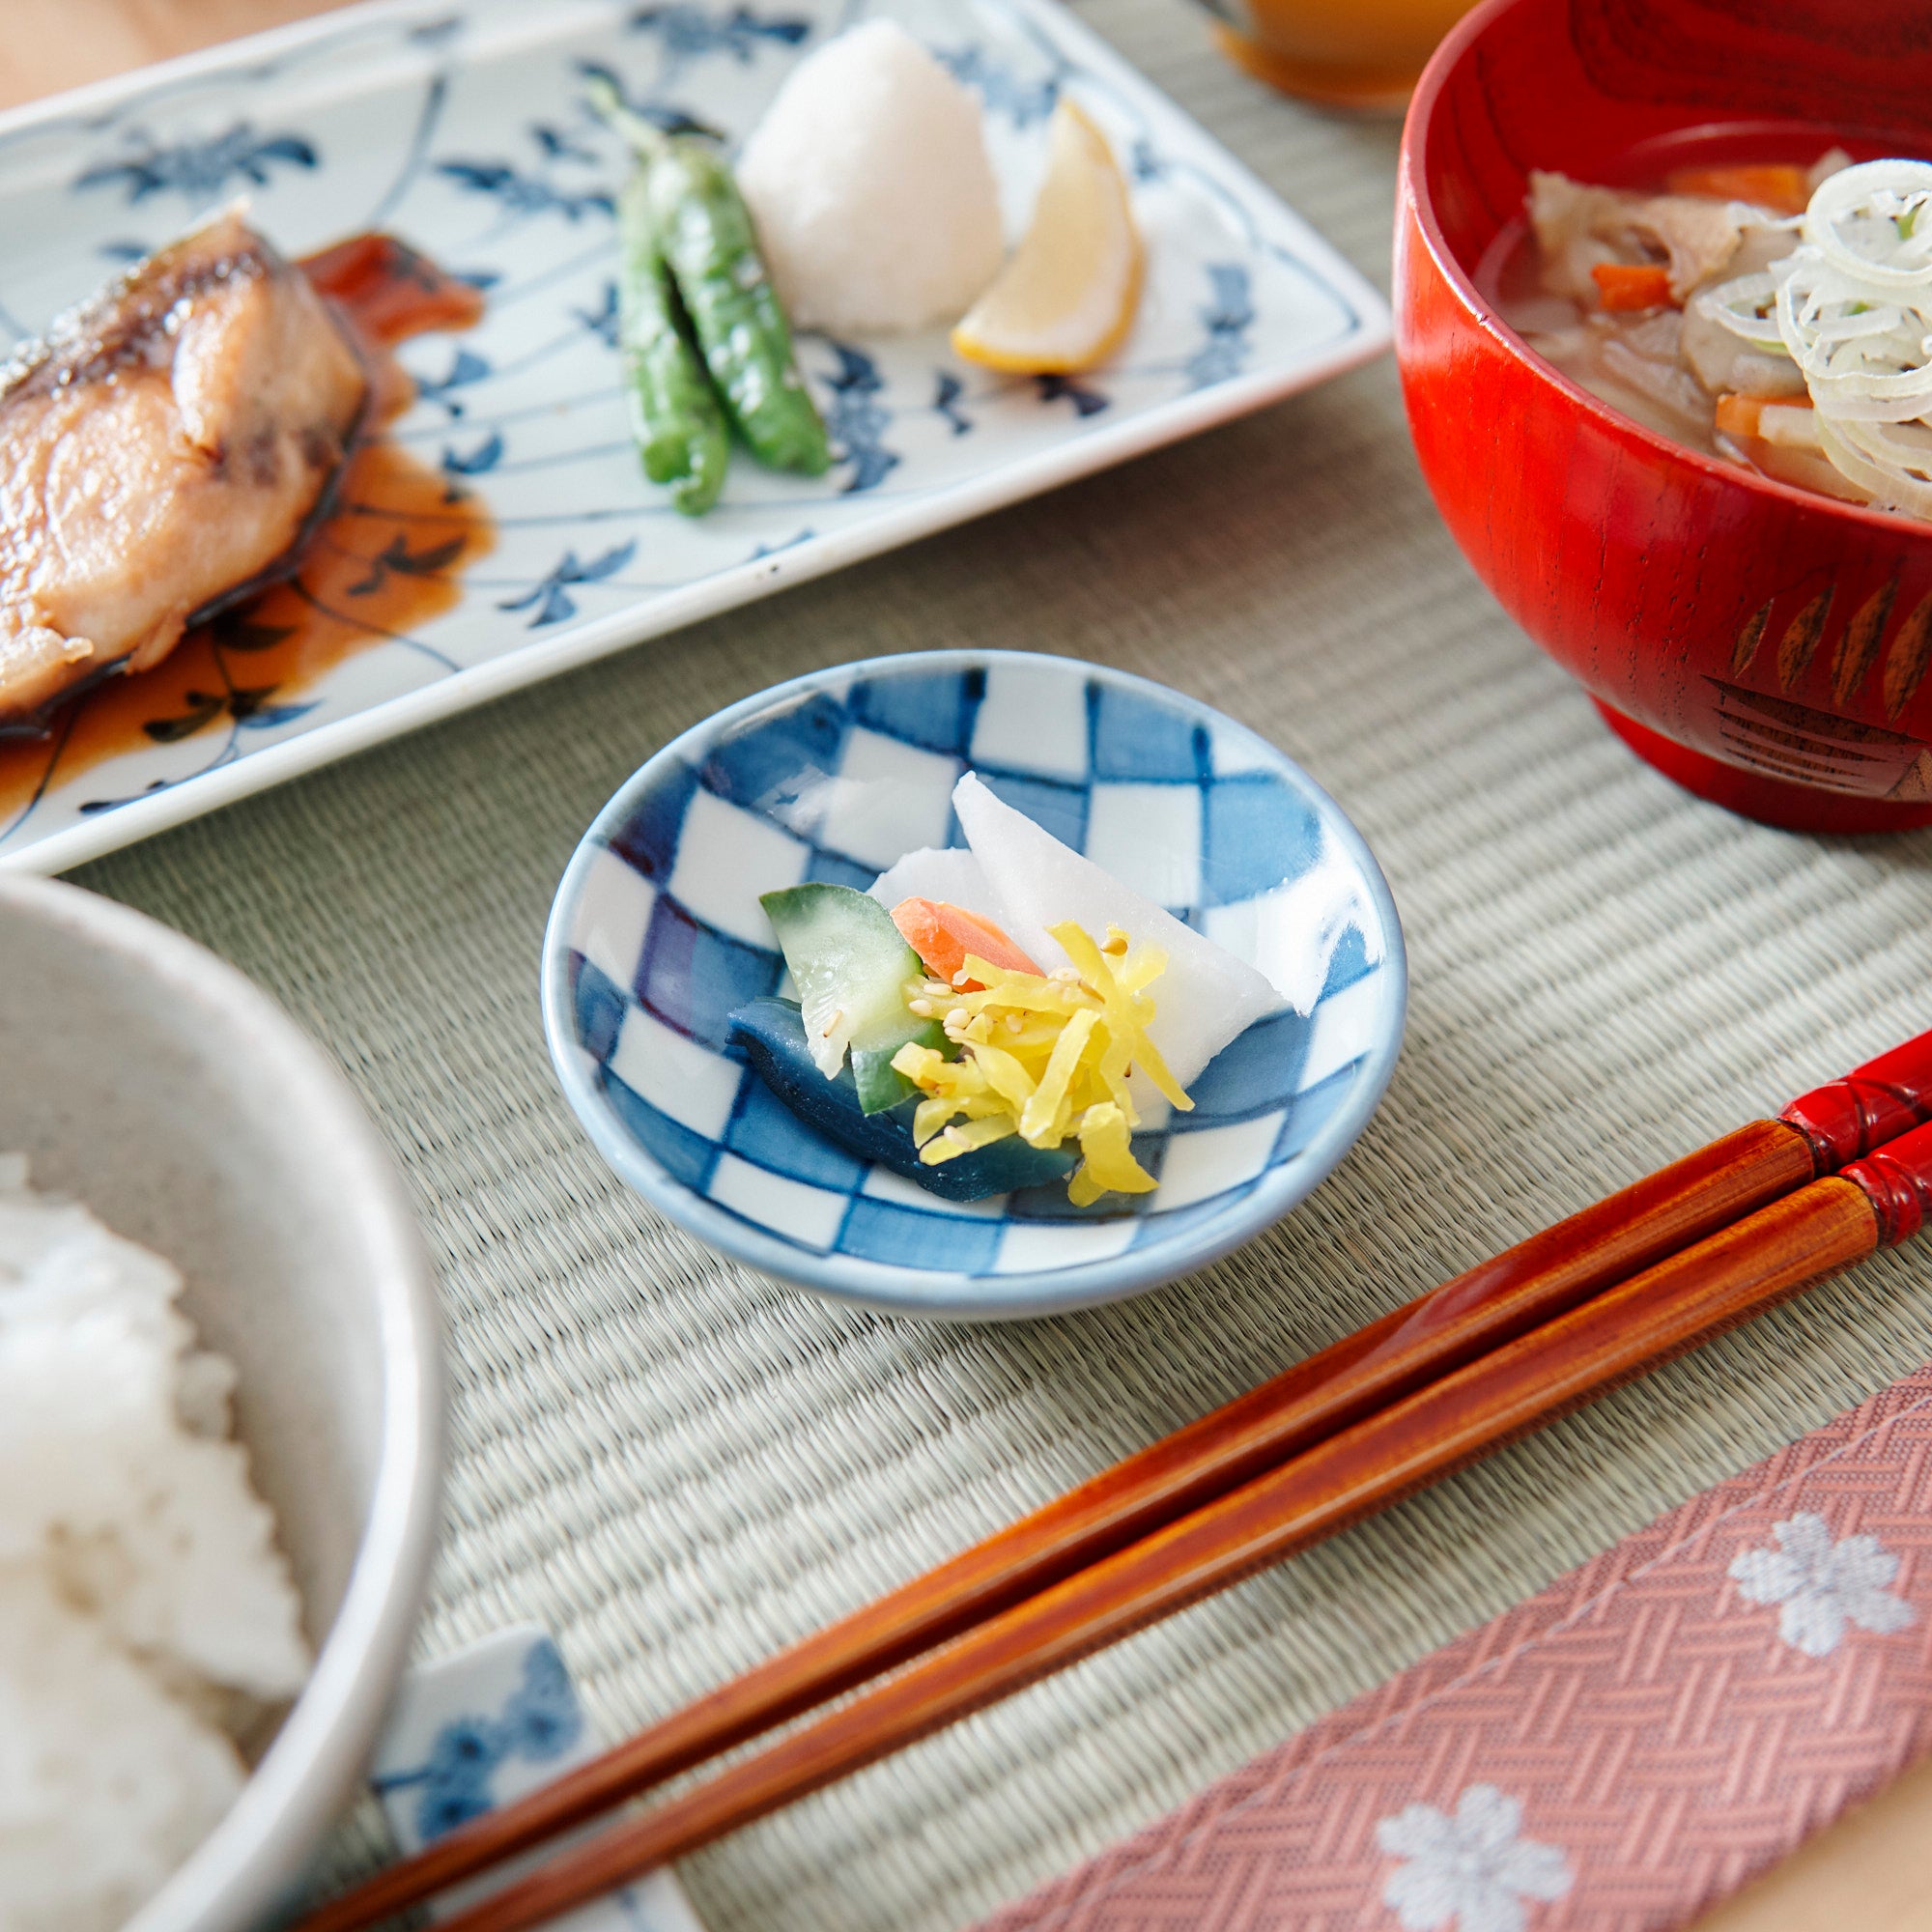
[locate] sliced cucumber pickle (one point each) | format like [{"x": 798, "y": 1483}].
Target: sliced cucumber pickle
[
  {"x": 771, "y": 1035},
  {"x": 851, "y": 968}
]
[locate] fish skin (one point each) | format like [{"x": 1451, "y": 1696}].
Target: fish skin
[{"x": 163, "y": 450}]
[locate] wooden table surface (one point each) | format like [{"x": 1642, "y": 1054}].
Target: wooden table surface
[{"x": 1872, "y": 1872}]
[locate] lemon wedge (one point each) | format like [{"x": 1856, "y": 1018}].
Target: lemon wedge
[{"x": 1068, "y": 294}]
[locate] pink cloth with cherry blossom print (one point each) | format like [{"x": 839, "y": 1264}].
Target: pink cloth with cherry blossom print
[{"x": 1613, "y": 1755}]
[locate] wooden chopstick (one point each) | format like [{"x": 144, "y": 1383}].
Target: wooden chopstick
[
  {"x": 1725, "y": 1279},
  {"x": 1429, "y": 1337}
]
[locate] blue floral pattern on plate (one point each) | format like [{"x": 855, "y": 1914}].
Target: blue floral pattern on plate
[
  {"x": 461, "y": 126},
  {"x": 657, "y": 936},
  {"x": 483, "y": 1726}
]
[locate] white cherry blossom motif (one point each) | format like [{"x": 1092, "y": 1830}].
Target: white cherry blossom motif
[
  {"x": 1820, "y": 1585},
  {"x": 1471, "y": 1872}
]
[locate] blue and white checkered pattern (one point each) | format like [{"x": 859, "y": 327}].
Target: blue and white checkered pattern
[{"x": 658, "y": 935}]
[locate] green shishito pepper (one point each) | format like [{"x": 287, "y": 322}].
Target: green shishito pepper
[
  {"x": 706, "y": 231},
  {"x": 690, "y": 251},
  {"x": 676, "y": 418}
]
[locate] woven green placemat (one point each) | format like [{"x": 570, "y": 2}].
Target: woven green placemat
[{"x": 676, "y": 1466}]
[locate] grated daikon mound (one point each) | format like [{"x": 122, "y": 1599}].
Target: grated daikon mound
[
  {"x": 869, "y": 180},
  {"x": 142, "y": 1597}
]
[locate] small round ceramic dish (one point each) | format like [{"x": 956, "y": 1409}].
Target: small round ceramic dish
[{"x": 657, "y": 936}]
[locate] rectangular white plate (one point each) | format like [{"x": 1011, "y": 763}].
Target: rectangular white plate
[{"x": 461, "y": 125}]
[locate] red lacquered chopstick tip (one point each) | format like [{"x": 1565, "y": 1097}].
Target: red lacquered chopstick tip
[
  {"x": 1872, "y": 1104},
  {"x": 1897, "y": 1181}
]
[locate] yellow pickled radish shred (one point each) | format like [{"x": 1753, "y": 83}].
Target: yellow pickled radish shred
[
  {"x": 1107, "y": 1157},
  {"x": 1047, "y": 1057}
]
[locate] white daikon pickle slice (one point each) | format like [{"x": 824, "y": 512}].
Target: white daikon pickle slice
[
  {"x": 1205, "y": 997},
  {"x": 946, "y": 876}
]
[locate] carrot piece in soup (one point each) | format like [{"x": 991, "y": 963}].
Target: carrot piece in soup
[
  {"x": 1740, "y": 415},
  {"x": 943, "y": 935},
  {"x": 1775, "y": 185},
  {"x": 1623, "y": 287}
]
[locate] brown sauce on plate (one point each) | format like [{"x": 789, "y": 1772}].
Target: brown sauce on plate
[{"x": 385, "y": 561}]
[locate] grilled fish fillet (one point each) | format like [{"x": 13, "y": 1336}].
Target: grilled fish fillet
[{"x": 161, "y": 451}]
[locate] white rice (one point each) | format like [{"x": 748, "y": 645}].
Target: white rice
[
  {"x": 869, "y": 179},
  {"x": 142, "y": 1597}
]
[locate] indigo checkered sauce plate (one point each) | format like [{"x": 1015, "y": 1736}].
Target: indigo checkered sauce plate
[{"x": 657, "y": 936}]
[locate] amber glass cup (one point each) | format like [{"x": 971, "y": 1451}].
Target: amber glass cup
[{"x": 1360, "y": 55}]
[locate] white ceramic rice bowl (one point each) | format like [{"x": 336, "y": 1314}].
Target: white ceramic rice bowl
[{"x": 147, "y": 1078}]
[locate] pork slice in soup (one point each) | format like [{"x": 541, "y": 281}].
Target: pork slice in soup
[{"x": 1613, "y": 287}]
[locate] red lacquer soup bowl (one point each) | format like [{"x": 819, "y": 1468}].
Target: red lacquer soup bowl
[{"x": 1765, "y": 647}]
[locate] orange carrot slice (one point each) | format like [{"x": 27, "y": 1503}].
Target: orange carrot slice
[
  {"x": 1775, "y": 185},
  {"x": 943, "y": 935},
  {"x": 1740, "y": 415},
  {"x": 1624, "y": 287}
]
